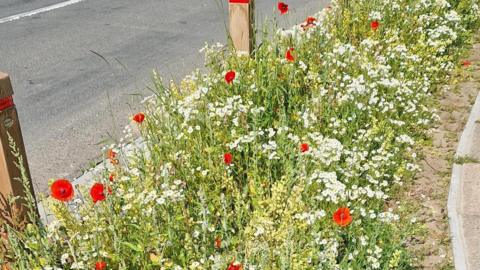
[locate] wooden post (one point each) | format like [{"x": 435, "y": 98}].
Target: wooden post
[
  {"x": 9, "y": 173},
  {"x": 242, "y": 25}
]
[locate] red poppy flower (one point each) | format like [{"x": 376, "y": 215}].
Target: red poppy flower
[
  {"x": 374, "y": 25},
  {"x": 310, "y": 20},
  {"x": 230, "y": 76},
  {"x": 62, "y": 190},
  {"x": 235, "y": 266},
  {"x": 97, "y": 192},
  {"x": 139, "y": 117},
  {"x": 304, "y": 147},
  {"x": 112, "y": 177},
  {"x": 342, "y": 217},
  {"x": 227, "y": 158},
  {"x": 218, "y": 243},
  {"x": 283, "y": 8},
  {"x": 289, "y": 56},
  {"x": 466, "y": 63},
  {"x": 100, "y": 265},
  {"x": 111, "y": 154}
]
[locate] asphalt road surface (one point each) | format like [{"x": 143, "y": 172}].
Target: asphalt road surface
[{"x": 69, "y": 99}]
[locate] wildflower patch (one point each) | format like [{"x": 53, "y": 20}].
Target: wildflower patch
[{"x": 288, "y": 159}]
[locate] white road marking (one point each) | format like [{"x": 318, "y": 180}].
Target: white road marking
[{"x": 40, "y": 10}]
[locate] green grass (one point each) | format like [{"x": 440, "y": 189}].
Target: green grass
[{"x": 465, "y": 160}]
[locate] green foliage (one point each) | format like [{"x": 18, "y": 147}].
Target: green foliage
[{"x": 359, "y": 98}]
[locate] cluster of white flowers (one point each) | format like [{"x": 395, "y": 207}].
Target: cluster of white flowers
[
  {"x": 327, "y": 150},
  {"x": 311, "y": 217},
  {"x": 332, "y": 190}
]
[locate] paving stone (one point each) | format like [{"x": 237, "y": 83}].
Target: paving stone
[
  {"x": 471, "y": 227},
  {"x": 471, "y": 191},
  {"x": 475, "y": 150}
]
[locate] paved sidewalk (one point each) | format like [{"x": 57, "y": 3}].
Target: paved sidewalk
[{"x": 464, "y": 197}]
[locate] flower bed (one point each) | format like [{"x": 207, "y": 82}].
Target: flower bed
[{"x": 291, "y": 159}]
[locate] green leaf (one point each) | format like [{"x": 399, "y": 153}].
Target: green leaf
[{"x": 137, "y": 248}]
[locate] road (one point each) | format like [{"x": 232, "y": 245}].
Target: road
[{"x": 69, "y": 99}]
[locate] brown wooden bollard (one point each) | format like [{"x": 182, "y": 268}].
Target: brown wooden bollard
[
  {"x": 9, "y": 172},
  {"x": 242, "y": 25}
]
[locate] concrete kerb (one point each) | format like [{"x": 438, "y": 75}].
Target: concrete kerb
[
  {"x": 455, "y": 194},
  {"x": 455, "y": 221}
]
